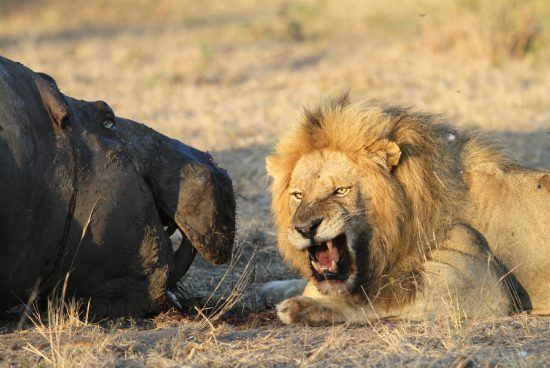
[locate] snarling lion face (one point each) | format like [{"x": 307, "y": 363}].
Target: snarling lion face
[
  {"x": 328, "y": 217},
  {"x": 339, "y": 214}
]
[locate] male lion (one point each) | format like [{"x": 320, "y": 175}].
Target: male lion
[{"x": 391, "y": 213}]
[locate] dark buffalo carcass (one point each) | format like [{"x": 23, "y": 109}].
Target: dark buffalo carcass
[{"x": 88, "y": 193}]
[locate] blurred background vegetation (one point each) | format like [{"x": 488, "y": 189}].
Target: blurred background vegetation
[{"x": 498, "y": 29}]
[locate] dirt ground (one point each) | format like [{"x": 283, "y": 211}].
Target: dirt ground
[{"x": 230, "y": 77}]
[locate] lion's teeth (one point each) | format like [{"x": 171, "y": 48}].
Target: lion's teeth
[
  {"x": 329, "y": 244},
  {"x": 316, "y": 265},
  {"x": 334, "y": 267}
]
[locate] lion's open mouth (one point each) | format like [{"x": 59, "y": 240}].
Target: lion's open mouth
[{"x": 330, "y": 260}]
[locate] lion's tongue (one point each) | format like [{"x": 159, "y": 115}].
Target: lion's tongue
[{"x": 327, "y": 259}]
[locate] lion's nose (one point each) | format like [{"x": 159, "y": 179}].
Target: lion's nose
[{"x": 308, "y": 231}]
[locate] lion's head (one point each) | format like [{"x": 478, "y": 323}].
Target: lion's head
[{"x": 358, "y": 194}]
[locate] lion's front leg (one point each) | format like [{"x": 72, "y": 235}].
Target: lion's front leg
[{"x": 303, "y": 309}]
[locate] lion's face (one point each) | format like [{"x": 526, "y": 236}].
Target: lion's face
[{"x": 328, "y": 219}]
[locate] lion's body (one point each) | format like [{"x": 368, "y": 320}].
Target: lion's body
[
  {"x": 430, "y": 208},
  {"x": 511, "y": 207}
]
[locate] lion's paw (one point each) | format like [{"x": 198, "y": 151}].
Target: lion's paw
[
  {"x": 291, "y": 310},
  {"x": 300, "y": 309}
]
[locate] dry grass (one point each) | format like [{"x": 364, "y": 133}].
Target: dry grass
[
  {"x": 167, "y": 342},
  {"x": 229, "y": 77}
]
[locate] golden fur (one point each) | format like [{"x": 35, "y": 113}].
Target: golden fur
[{"x": 417, "y": 172}]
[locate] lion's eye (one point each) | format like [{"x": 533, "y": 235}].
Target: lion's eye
[
  {"x": 297, "y": 195},
  {"x": 342, "y": 191}
]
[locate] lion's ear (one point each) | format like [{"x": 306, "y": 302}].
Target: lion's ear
[
  {"x": 393, "y": 154},
  {"x": 385, "y": 153}
]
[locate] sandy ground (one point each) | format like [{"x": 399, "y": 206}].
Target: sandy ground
[{"x": 230, "y": 77}]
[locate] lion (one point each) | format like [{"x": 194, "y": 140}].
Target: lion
[{"x": 388, "y": 212}]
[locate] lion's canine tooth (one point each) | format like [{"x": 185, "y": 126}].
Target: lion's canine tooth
[
  {"x": 332, "y": 250},
  {"x": 334, "y": 266}
]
